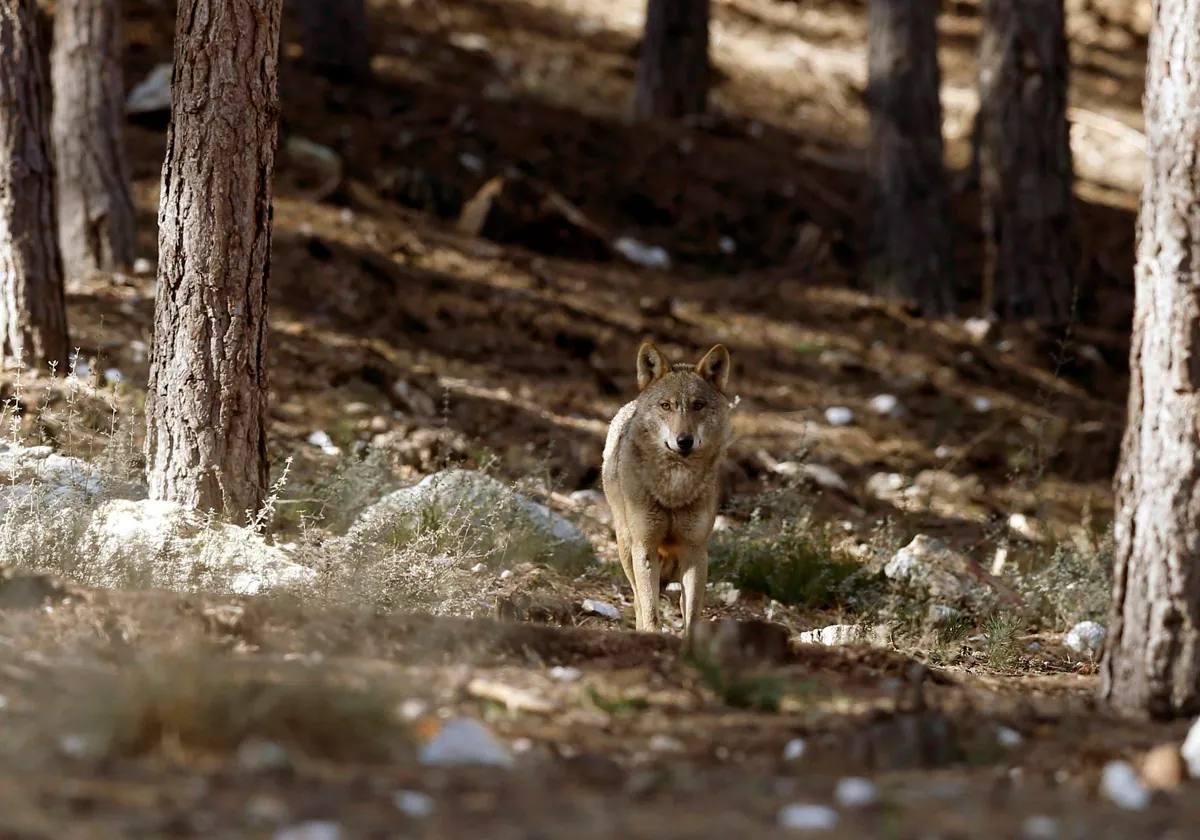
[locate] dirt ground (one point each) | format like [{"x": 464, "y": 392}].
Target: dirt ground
[{"x": 387, "y": 319}]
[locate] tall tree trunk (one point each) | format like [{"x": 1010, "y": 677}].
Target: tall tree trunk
[
  {"x": 1153, "y": 661},
  {"x": 909, "y": 244},
  {"x": 95, "y": 210},
  {"x": 206, "y": 406},
  {"x": 1025, "y": 161},
  {"x": 673, "y": 68},
  {"x": 335, "y": 39},
  {"x": 33, "y": 317}
]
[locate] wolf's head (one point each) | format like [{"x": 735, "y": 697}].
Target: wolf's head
[{"x": 684, "y": 406}]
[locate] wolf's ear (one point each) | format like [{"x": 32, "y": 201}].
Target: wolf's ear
[
  {"x": 715, "y": 367},
  {"x": 651, "y": 364}
]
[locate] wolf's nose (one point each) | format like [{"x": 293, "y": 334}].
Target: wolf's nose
[{"x": 685, "y": 442}]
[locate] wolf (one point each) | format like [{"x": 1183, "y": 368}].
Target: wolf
[{"x": 662, "y": 461}]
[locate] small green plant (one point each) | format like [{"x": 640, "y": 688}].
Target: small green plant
[
  {"x": 1001, "y": 634},
  {"x": 616, "y": 705},
  {"x": 1073, "y": 584},
  {"x": 792, "y": 562}
]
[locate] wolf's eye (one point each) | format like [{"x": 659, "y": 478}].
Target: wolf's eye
[
  {"x": 665, "y": 406},
  {"x": 698, "y": 405}
]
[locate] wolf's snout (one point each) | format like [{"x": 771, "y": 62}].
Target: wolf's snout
[{"x": 685, "y": 443}]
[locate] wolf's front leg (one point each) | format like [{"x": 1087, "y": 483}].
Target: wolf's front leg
[
  {"x": 694, "y": 577},
  {"x": 646, "y": 571}
]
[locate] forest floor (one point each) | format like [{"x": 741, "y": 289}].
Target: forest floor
[{"x": 394, "y": 327}]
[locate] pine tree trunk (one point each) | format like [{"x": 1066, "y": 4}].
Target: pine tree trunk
[
  {"x": 673, "y": 70},
  {"x": 33, "y": 318},
  {"x": 335, "y": 39},
  {"x": 909, "y": 248},
  {"x": 1153, "y": 661},
  {"x": 95, "y": 210},
  {"x": 206, "y": 406},
  {"x": 1025, "y": 161}
]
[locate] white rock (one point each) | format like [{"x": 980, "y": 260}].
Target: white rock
[
  {"x": 660, "y": 742},
  {"x": 726, "y": 593},
  {"x": 885, "y": 485},
  {"x": 472, "y": 496},
  {"x": 981, "y": 404},
  {"x": 565, "y": 674},
  {"x": 601, "y": 608},
  {"x": 479, "y": 568},
  {"x": 839, "y": 415},
  {"x": 1191, "y": 750},
  {"x": 357, "y": 409},
  {"x": 794, "y": 749},
  {"x": 727, "y": 245},
  {"x": 143, "y": 267},
  {"x": 1120, "y": 783},
  {"x": 465, "y": 741},
  {"x": 258, "y": 754},
  {"x": 166, "y": 545},
  {"x": 639, "y": 253},
  {"x": 322, "y": 441},
  {"x": 855, "y": 792},
  {"x": 1039, "y": 827},
  {"x": 1025, "y": 528},
  {"x": 112, "y": 376},
  {"x": 722, "y": 523},
  {"x": 506, "y": 574},
  {"x": 844, "y": 634},
  {"x": 152, "y": 93},
  {"x": 805, "y": 817},
  {"x": 939, "y": 615},
  {"x": 413, "y": 803},
  {"x": 818, "y": 474},
  {"x": 979, "y": 329},
  {"x": 470, "y": 162},
  {"x": 929, "y": 563},
  {"x": 1009, "y": 738},
  {"x": 412, "y": 709},
  {"x": 311, "y": 830},
  {"x": 1086, "y": 637},
  {"x": 885, "y": 405}
]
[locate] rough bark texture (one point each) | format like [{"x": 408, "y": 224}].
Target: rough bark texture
[
  {"x": 909, "y": 249},
  {"x": 1025, "y": 161},
  {"x": 95, "y": 211},
  {"x": 206, "y": 406},
  {"x": 1153, "y": 661},
  {"x": 335, "y": 39},
  {"x": 33, "y": 318},
  {"x": 673, "y": 71}
]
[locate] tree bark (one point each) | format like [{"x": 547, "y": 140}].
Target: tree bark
[
  {"x": 335, "y": 39},
  {"x": 95, "y": 210},
  {"x": 33, "y": 317},
  {"x": 1152, "y": 665},
  {"x": 909, "y": 243},
  {"x": 1025, "y": 162},
  {"x": 206, "y": 406},
  {"x": 673, "y": 66}
]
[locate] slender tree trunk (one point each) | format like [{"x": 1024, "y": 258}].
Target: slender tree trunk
[
  {"x": 1025, "y": 161},
  {"x": 1153, "y": 661},
  {"x": 33, "y": 317},
  {"x": 95, "y": 210},
  {"x": 909, "y": 245},
  {"x": 206, "y": 406},
  {"x": 673, "y": 68},
  {"x": 335, "y": 38}
]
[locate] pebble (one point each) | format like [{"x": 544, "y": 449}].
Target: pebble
[
  {"x": 665, "y": 743},
  {"x": 413, "y": 803},
  {"x": 1191, "y": 750},
  {"x": 506, "y": 574},
  {"x": 639, "y": 253},
  {"x": 321, "y": 439},
  {"x": 856, "y": 792},
  {"x": 1039, "y": 827},
  {"x": 112, "y": 376},
  {"x": 885, "y": 405},
  {"x": 565, "y": 673},
  {"x": 1086, "y": 637},
  {"x": 727, "y": 245},
  {"x": 1162, "y": 768},
  {"x": 1119, "y": 783},
  {"x": 258, "y": 754},
  {"x": 981, "y": 404},
  {"x": 311, "y": 830},
  {"x": 465, "y": 741},
  {"x": 601, "y": 608},
  {"x": 804, "y": 817},
  {"x": 142, "y": 266},
  {"x": 357, "y": 409},
  {"x": 794, "y": 749},
  {"x": 1009, "y": 738},
  {"x": 839, "y": 415},
  {"x": 479, "y": 568}
]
